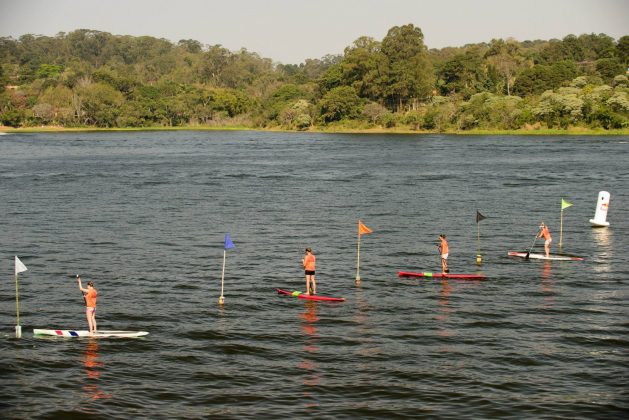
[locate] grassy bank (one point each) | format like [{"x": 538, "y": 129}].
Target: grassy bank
[
  {"x": 58, "y": 129},
  {"x": 572, "y": 131}
]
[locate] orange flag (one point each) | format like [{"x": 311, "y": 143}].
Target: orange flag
[{"x": 362, "y": 229}]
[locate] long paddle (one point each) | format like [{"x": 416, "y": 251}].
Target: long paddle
[
  {"x": 528, "y": 254},
  {"x": 82, "y": 294}
]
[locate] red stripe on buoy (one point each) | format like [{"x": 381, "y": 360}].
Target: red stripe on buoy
[{"x": 58, "y": 332}]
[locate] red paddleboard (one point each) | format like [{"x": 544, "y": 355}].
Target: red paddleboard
[
  {"x": 443, "y": 275},
  {"x": 301, "y": 295}
]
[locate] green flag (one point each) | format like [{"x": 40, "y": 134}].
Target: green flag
[{"x": 565, "y": 204}]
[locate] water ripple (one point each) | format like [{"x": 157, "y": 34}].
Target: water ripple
[{"x": 144, "y": 215}]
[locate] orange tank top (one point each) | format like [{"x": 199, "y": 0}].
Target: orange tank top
[
  {"x": 546, "y": 233},
  {"x": 90, "y": 298},
  {"x": 309, "y": 262}
]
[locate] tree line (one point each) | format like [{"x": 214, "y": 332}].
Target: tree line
[{"x": 89, "y": 78}]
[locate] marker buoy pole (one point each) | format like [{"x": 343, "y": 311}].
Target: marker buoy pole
[
  {"x": 228, "y": 245},
  {"x": 18, "y": 328},
  {"x": 564, "y": 205},
  {"x": 221, "y": 299},
  {"x": 602, "y": 205},
  {"x": 561, "y": 229},
  {"x": 19, "y": 267},
  {"x": 362, "y": 229},
  {"x": 479, "y": 257},
  {"x": 358, "y": 262}
]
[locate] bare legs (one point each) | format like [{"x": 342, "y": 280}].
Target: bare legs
[
  {"x": 90, "y": 313},
  {"x": 310, "y": 279}
]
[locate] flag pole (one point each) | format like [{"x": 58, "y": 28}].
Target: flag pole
[
  {"x": 479, "y": 257},
  {"x": 361, "y": 230},
  {"x": 564, "y": 205},
  {"x": 221, "y": 300},
  {"x": 228, "y": 245},
  {"x": 18, "y": 327},
  {"x": 561, "y": 228},
  {"x": 358, "y": 259}
]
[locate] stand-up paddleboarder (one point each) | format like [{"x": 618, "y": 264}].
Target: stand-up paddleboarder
[
  {"x": 545, "y": 232},
  {"x": 443, "y": 250},
  {"x": 89, "y": 295},
  {"x": 309, "y": 262}
]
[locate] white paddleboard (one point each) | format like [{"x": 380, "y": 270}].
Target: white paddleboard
[
  {"x": 551, "y": 257},
  {"x": 99, "y": 334}
]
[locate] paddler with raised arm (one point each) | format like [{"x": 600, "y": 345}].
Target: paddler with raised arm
[
  {"x": 545, "y": 232},
  {"x": 90, "y": 303}
]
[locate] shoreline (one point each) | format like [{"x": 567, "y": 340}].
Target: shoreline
[{"x": 574, "y": 131}]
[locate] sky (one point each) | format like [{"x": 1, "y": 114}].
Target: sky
[{"x": 290, "y": 31}]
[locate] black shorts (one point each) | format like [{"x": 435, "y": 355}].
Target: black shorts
[{"x": 310, "y": 272}]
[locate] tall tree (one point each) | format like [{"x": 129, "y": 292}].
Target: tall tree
[
  {"x": 595, "y": 47},
  {"x": 190, "y": 45},
  {"x": 365, "y": 68},
  {"x": 505, "y": 57},
  {"x": 463, "y": 74},
  {"x": 214, "y": 62},
  {"x": 410, "y": 73},
  {"x": 340, "y": 103},
  {"x": 622, "y": 48}
]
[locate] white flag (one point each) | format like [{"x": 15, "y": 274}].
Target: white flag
[{"x": 19, "y": 267}]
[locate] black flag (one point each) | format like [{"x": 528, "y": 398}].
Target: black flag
[{"x": 479, "y": 216}]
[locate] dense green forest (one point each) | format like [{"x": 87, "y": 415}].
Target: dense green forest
[{"x": 89, "y": 78}]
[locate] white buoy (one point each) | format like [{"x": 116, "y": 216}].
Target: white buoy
[
  {"x": 601, "y": 210},
  {"x": 18, "y": 331}
]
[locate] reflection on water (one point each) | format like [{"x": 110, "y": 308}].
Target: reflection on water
[
  {"x": 444, "y": 308},
  {"x": 548, "y": 287},
  {"x": 365, "y": 328},
  {"x": 308, "y": 327},
  {"x": 93, "y": 366},
  {"x": 604, "y": 241},
  {"x": 602, "y": 237},
  {"x": 395, "y": 348},
  {"x": 546, "y": 270}
]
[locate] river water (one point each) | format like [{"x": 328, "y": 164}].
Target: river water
[{"x": 144, "y": 215}]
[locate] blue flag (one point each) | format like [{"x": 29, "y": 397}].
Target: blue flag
[{"x": 228, "y": 242}]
